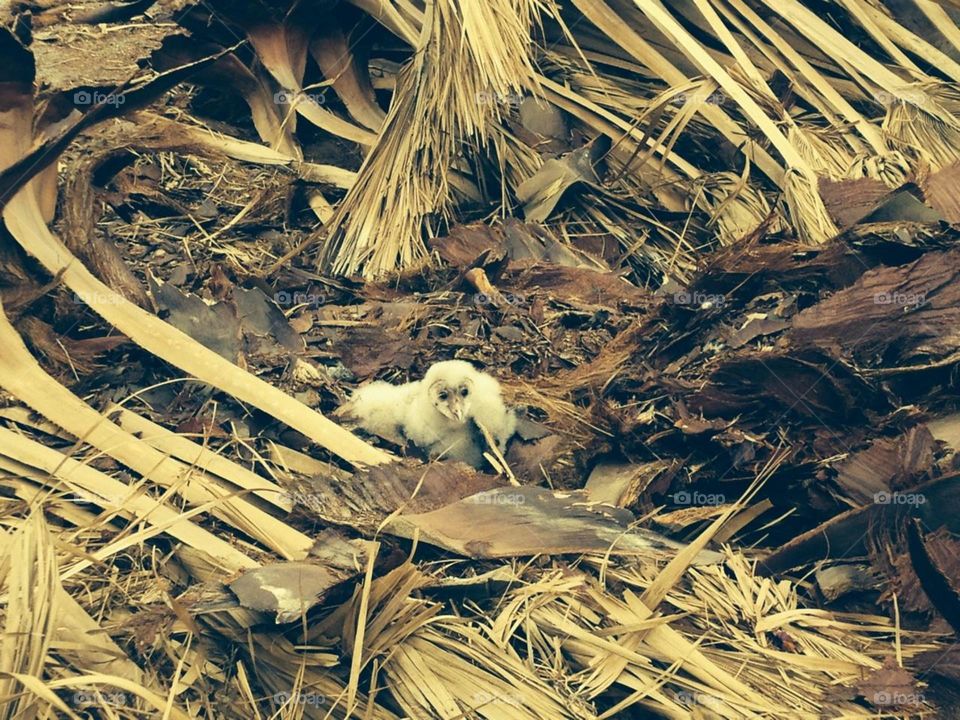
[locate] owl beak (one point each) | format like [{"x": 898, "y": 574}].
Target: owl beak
[{"x": 458, "y": 413}]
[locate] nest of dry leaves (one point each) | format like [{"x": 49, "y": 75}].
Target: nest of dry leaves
[{"x": 728, "y": 317}]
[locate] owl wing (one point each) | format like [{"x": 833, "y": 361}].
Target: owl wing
[
  {"x": 378, "y": 408},
  {"x": 489, "y": 410}
]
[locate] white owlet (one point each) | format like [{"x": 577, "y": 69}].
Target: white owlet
[{"x": 440, "y": 413}]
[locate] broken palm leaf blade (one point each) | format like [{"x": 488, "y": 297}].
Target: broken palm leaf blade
[
  {"x": 36, "y": 608},
  {"x": 89, "y": 483},
  {"x": 25, "y": 379}
]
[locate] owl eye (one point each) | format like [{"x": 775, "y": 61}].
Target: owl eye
[
  {"x": 464, "y": 392},
  {"x": 443, "y": 395}
]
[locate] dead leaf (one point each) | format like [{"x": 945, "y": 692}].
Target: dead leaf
[
  {"x": 890, "y": 687},
  {"x": 522, "y": 521},
  {"x": 290, "y": 589},
  {"x": 541, "y": 192}
]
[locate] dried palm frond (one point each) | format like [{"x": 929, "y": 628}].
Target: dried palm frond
[
  {"x": 44, "y": 654},
  {"x": 891, "y": 168},
  {"x": 28, "y": 575},
  {"x": 469, "y": 57},
  {"x": 736, "y": 207},
  {"x": 826, "y": 153},
  {"x": 919, "y": 121}
]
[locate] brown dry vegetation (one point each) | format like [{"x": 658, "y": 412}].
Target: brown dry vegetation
[{"x": 709, "y": 247}]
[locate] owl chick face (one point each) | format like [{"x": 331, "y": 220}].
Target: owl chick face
[{"x": 452, "y": 399}]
